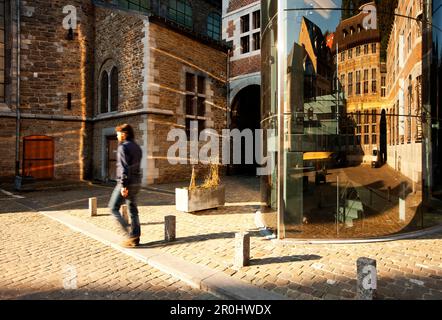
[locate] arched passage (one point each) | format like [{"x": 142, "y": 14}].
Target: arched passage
[{"x": 245, "y": 114}]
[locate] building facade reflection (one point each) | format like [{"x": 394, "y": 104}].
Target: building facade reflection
[{"x": 355, "y": 149}]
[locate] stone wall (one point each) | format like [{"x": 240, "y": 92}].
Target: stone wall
[
  {"x": 51, "y": 68},
  {"x": 119, "y": 43},
  {"x": 172, "y": 55}
]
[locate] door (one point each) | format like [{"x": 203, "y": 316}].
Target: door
[
  {"x": 112, "y": 146},
  {"x": 38, "y": 157}
]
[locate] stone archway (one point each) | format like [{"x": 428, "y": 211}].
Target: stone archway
[{"x": 246, "y": 114}]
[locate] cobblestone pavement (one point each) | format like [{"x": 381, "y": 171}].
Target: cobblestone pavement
[
  {"x": 42, "y": 259},
  {"x": 407, "y": 269}
]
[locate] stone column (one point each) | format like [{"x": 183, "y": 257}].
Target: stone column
[
  {"x": 242, "y": 250},
  {"x": 367, "y": 279},
  {"x": 93, "y": 207},
  {"x": 169, "y": 228}
]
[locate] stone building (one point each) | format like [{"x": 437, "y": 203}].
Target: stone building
[
  {"x": 241, "y": 29},
  {"x": 86, "y": 66},
  {"x": 404, "y": 91},
  {"x": 362, "y": 76}
]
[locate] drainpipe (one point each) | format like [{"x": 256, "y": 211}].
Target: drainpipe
[{"x": 17, "y": 107}]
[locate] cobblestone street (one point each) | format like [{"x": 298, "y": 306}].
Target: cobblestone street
[
  {"x": 35, "y": 249},
  {"x": 40, "y": 257}
]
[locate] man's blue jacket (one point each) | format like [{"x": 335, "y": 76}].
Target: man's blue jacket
[{"x": 129, "y": 156}]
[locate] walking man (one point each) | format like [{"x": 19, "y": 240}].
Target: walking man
[{"x": 128, "y": 184}]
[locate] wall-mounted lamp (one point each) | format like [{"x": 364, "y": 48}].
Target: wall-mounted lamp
[
  {"x": 69, "y": 104},
  {"x": 70, "y": 35}
]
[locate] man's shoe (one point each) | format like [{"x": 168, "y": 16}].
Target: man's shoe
[{"x": 131, "y": 242}]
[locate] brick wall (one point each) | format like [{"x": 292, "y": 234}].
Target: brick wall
[
  {"x": 237, "y": 4},
  {"x": 7, "y": 146},
  {"x": 119, "y": 43},
  {"x": 245, "y": 66},
  {"x": 174, "y": 54},
  {"x": 52, "y": 67}
]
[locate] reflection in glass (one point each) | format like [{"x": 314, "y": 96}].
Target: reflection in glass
[{"x": 343, "y": 88}]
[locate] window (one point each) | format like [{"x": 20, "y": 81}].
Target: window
[
  {"x": 108, "y": 99},
  {"x": 358, "y": 82},
  {"x": 342, "y": 56},
  {"x": 245, "y": 23},
  {"x": 256, "y": 19},
  {"x": 366, "y": 49},
  {"x": 114, "y": 90},
  {"x": 195, "y": 102},
  {"x": 373, "y": 48},
  {"x": 181, "y": 12},
  {"x": 383, "y": 87},
  {"x": 245, "y": 44},
  {"x": 365, "y": 81},
  {"x": 104, "y": 92},
  {"x": 139, "y": 5},
  {"x": 350, "y": 53},
  {"x": 256, "y": 41},
  {"x": 374, "y": 88},
  {"x": 350, "y": 83},
  {"x": 358, "y": 51},
  {"x": 214, "y": 26},
  {"x": 343, "y": 83},
  {"x": 373, "y": 116}
]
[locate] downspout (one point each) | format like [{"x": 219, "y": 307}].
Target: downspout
[{"x": 17, "y": 108}]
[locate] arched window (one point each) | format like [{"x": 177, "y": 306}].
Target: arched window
[
  {"x": 180, "y": 11},
  {"x": 214, "y": 26},
  {"x": 114, "y": 89},
  {"x": 104, "y": 92}
]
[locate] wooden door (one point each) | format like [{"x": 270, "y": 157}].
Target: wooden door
[
  {"x": 38, "y": 157},
  {"x": 112, "y": 146}
]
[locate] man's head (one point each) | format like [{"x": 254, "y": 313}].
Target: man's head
[{"x": 125, "y": 132}]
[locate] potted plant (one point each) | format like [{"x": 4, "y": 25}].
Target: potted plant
[{"x": 209, "y": 195}]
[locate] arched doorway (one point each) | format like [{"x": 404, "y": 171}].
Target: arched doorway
[{"x": 245, "y": 114}]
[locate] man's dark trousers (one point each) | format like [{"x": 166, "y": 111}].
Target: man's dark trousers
[{"x": 117, "y": 200}]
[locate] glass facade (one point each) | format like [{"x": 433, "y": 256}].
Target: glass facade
[{"x": 353, "y": 120}]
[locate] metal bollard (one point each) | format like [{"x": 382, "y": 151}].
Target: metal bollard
[
  {"x": 93, "y": 207},
  {"x": 169, "y": 228},
  {"x": 367, "y": 279},
  {"x": 124, "y": 213},
  {"x": 242, "y": 250}
]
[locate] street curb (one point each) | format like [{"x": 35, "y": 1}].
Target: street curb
[{"x": 200, "y": 277}]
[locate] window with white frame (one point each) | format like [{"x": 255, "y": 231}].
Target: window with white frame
[{"x": 250, "y": 32}]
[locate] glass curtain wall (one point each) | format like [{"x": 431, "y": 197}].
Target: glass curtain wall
[{"x": 345, "y": 89}]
